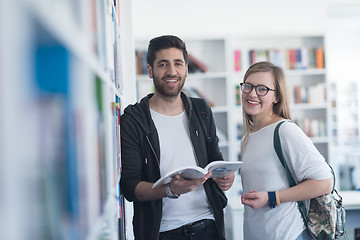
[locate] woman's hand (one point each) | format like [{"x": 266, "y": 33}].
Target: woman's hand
[{"x": 255, "y": 200}]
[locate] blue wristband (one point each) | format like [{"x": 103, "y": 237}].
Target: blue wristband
[{"x": 272, "y": 199}]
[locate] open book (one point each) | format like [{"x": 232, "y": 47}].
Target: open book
[{"x": 219, "y": 169}]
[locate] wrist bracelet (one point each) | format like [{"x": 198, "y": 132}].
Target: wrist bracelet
[
  {"x": 277, "y": 198},
  {"x": 272, "y": 199}
]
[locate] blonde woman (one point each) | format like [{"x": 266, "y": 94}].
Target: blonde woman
[{"x": 271, "y": 210}]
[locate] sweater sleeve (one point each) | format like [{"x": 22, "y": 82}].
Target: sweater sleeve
[
  {"x": 303, "y": 158},
  {"x": 130, "y": 159}
]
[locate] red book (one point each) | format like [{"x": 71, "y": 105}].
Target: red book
[
  {"x": 198, "y": 63},
  {"x": 139, "y": 62},
  {"x": 292, "y": 58}
]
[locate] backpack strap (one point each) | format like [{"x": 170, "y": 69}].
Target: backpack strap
[
  {"x": 278, "y": 150},
  {"x": 202, "y": 110}
]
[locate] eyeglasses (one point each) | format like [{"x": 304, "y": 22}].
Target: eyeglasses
[{"x": 261, "y": 90}]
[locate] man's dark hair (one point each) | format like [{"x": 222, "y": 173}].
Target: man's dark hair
[{"x": 165, "y": 42}]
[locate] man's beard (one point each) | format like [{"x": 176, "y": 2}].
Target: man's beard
[{"x": 166, "y": 91}]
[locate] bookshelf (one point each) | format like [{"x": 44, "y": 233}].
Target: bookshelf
[{"x": 62, "y": 92}]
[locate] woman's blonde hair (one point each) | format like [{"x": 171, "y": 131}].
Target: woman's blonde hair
[{"x": 280, "y": 108}]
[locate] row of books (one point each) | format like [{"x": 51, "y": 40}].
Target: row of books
[
  {"x": 195, "y": 65},
  {"x": 295, "y": 58},
  {"x": 312, "y": 127},
  {"x": 271, "y": 55},
  {"x": 310, "y": 94},
  {"x": 299, "y": 58}
]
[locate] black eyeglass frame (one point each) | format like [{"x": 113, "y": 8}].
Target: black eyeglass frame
[{"x": 256, "y": 89}]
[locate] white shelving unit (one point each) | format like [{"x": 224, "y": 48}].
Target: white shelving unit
[{"x": 61, "y": 95}]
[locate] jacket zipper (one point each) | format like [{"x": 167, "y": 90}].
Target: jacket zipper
[{"x": 152, "y": 149}]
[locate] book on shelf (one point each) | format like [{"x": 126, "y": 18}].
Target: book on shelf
[
  {"x": 319, "y": 55},
  {"x": 219, "y": 169},
  {"x": 291, "y": 53},
  {"x": 237, "y": 95},
  {"x": 237, "y": 60},
  {"x": 117, "y": 5},
  {"x": 141, "y": 62},
  {"x": 258, "y": 55},
  {"x": 195, "y": 65},
  {"x": 196, "y": 93},
  {"x": 118, "y": 62},
  {"x": 312, "y": 127},
  {"x": 305, "y": 62},
  {"x": 109, "y": 22},
  {"x": 239, "y": 131},
  {"x": 298, "y": 59},
  {"x": 310, "y": 94},
  {"x": 101, "y": 142}
]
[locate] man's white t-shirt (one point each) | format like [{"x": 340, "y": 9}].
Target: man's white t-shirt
[
  {"x": 263, "y": 171},
  {"x": 177, "y": 151}
]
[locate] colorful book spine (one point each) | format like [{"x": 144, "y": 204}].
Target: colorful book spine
[{"x": 237, "y": 60}]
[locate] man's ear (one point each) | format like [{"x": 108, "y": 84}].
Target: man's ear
[{"x": 149, "y": 70}]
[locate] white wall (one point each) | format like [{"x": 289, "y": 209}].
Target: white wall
[{"x": 197, "y": 18}]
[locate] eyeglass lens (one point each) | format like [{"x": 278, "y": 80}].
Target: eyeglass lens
[{"x": 260, "y": 90}]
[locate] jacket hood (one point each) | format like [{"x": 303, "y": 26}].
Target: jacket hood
[{"x": 140, "y": 112}]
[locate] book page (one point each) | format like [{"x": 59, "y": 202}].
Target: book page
[
  {"x": 191, "y": 172},
  {"x": 219, "y": 169}
]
